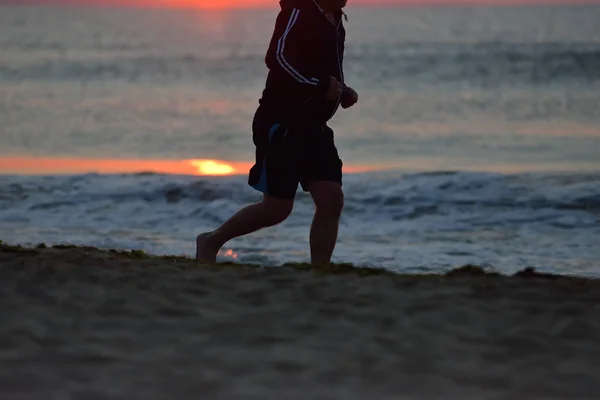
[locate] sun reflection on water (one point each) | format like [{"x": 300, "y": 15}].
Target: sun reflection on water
[
  {"x": 212, "y": 167},
  {"x": 229, "y": 254}
]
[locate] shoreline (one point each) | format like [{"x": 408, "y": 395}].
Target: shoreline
[
  {"x": 81, "y": 322},
  {"x": 465, "y": 271}
]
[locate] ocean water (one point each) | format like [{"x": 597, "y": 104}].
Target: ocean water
[{"x": 483, "y": 122}]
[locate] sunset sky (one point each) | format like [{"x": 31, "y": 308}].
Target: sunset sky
[{"x": 263, "y": 3}]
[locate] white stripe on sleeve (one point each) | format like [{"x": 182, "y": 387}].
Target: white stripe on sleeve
[{"x": 281, "y": 58}]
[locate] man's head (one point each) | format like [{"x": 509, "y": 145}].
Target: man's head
[{"x": 332, "y": 5}]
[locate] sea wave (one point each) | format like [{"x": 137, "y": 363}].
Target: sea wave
[
  {"x": 483, "y": 64},
  {"x": 480, "y": 65},
  {"x": 416, "y": 194},
  {"x": 126, "y": 68},
  {"x": 430, "y": 221}
]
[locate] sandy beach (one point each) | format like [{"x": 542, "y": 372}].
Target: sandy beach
[{"x": 83, "y": 323}]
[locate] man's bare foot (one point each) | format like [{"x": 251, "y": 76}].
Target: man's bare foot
[{"x": 205, "y": 250}]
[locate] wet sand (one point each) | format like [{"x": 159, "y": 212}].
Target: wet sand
[{"x": 82, "y": 323}]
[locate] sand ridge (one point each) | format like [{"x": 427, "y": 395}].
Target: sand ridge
[{"x": 79, "y": 322}]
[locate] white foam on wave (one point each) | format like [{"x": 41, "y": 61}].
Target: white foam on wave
[{"x": 411, "y": 222}]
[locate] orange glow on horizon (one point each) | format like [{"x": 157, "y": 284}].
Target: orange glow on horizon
[
  {"x": 215, "y": 4},
  {"x": 198, "y": 167},
  {"x": 229, "y": 4}
]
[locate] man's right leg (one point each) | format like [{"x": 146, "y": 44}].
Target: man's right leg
[
  {"x": 270, "y": 211},
  {"x": 275, "y": 175}
]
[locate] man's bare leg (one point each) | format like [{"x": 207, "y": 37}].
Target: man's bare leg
[
  {"x": 270, "y": 211},
  {"x": 329, "y": 201}
]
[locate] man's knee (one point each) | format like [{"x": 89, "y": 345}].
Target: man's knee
[
  {"x": 277, "y": 209},
  {"x": 328, "y": 197}
]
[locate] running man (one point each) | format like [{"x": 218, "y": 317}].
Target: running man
[{"x": 304, "y": 89}]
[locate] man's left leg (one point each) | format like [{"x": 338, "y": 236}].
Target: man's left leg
[
  {"x": 329, "y": 202},
  {"x": 323, "y": 179}
]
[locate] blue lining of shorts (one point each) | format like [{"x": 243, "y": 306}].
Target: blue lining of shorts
[{"x": 262, "y": 185}]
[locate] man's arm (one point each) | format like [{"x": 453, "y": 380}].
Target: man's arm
[{"x": 287, "y": 54}]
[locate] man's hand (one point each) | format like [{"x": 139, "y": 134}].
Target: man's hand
[
  {"x": 349, "y": 97},
  {"x": 335, "y": 89}
]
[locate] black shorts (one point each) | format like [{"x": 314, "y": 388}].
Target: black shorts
[{"x": 287, "y": 156}]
